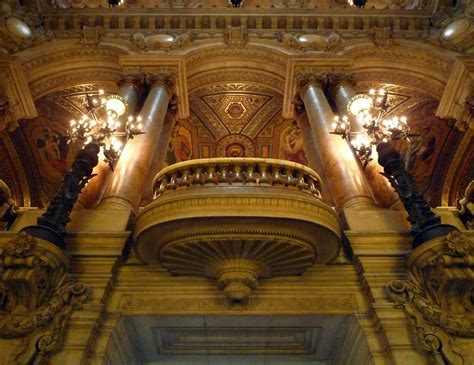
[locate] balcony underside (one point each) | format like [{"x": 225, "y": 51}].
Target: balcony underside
[{"x": 237, "y": 231}]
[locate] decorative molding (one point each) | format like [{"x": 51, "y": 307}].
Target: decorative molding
[
  {"x": 243, "y": 76},
  {"x": 437, "y": 295},
  {"x": 136, "y": 304}
]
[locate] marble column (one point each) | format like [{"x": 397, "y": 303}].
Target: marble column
[
  {"x": 348, "y": 185},
  {"x": 342, "y": 89},
  {"x": 313, "y": 156},
  {"x": 130, "y": 175},
  {"x": 159, "y": 158},
  {"x": 130, "y": 90}
]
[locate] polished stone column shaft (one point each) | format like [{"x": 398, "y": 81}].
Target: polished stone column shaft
[
  {"x": 93, "y": 192},
  {"x": 313, "y": 156},
  {"x": 342, "y": 90},
  {"x": 347, "y": 182},
  {"x": 126, "y": 188},
  {"x": 159, "y": 158}
]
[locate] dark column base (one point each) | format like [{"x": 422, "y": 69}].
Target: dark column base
[
  {"x": 47, "y": 234},
  {"x": 431, "y": 232}
]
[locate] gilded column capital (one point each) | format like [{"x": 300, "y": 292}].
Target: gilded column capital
[
  {"x": 306, "y": 78},
  {"x": 163, "y": 78},
  {"x": 134, "y": 78},
  {"x": 336, "y": 79}
]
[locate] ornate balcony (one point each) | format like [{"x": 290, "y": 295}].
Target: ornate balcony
[{"x": 237, "y": 220}]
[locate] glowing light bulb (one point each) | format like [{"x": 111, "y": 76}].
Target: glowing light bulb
[{"x": 101, "y": 91}]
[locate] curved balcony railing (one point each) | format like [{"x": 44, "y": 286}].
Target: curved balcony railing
[
  {"x": 227, "y": 171},
  {"x": 237, "y": 220}
]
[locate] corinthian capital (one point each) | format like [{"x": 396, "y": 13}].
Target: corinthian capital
[
  {"x": 338, "y": 78},
  {"x": 164, "y": 78},
  {"x": 306, "y": 78},
  {"x": 135, "y": 78}
]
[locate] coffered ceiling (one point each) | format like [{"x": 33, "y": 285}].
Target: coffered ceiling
[{"x": 234, "y": 108}]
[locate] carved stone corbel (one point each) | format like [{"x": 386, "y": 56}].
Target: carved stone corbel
[
  {"x": 37, "y": 296},
  {"x": 437, "y": 296}
]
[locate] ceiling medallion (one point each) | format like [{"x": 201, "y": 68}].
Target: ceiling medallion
[{"x": 235, "y": 110}]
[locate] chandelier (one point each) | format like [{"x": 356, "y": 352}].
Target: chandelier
[
  {"x": 101, "y": 125},
  {"x": 114, "y": 3},
  {"x": 370, "y": 111},
  {"x": 357, "y": 3},
  {"x": 236, "y": 3}
]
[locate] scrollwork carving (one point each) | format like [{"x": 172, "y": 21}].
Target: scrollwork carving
[
  {"x": 437, "y": 294},
  {"x": 37, "y": 296}
]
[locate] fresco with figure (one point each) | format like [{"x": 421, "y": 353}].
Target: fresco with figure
[{"x": 291, "y": 144}]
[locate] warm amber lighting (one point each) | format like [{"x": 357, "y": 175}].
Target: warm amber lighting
[
  {"x": 359, "y": 104},
  {"x": 116, "y": 105}
]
